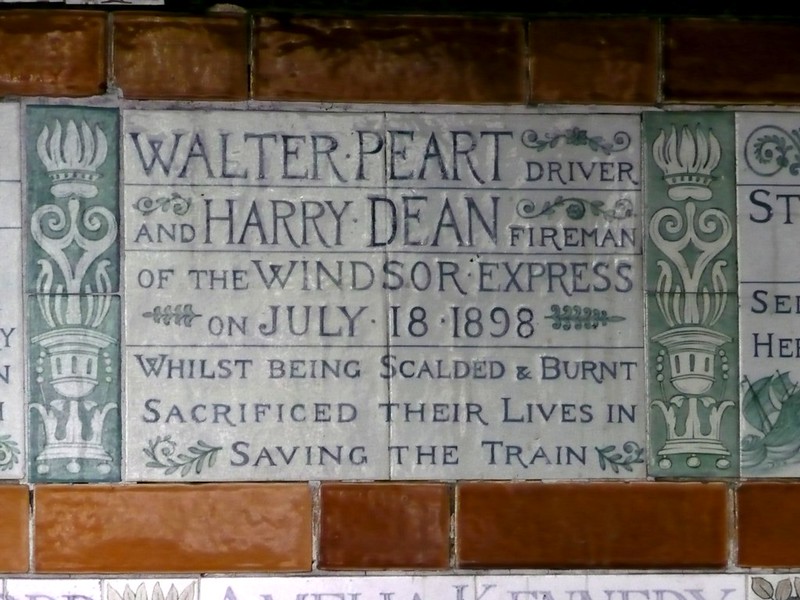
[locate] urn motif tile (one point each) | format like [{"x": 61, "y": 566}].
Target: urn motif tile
[
  {"x": 72, "y": 278},
  {"x": 691, "y": 294}
]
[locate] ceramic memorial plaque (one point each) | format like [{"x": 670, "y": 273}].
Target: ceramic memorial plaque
[{"x": 357, "y": 295}]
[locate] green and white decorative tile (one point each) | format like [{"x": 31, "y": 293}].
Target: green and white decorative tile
[
  {"x": 254, "y": 299},
  {"x": 769, "y": 213},
  {"x": 72, "y": 278},
  {"x": 74, "y": 391},
  {"x": 693, "y": 389},
  {"x": 692, "y": 289},
  {"x": 516, "y": 307},
  {"x": 12, "y": 343},
  {"x": 73, "y": 209}
]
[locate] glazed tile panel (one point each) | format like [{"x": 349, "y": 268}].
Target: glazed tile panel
[
  {"x": 307, "y": 294},
  {"x": 374, "y": 296}
]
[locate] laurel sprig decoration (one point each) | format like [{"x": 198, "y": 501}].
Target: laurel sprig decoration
[{"x": 180, "y": 314}]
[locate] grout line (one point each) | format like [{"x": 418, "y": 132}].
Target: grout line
[
  {"x": 111, "y": 84},
  {"x": 526, "y": 33},
  {"x": 660, "y": 75},
  {"x": 733, "y": 537},
  {"x": 31, "y": 531},
  {"x": 251, "y": 30},
  {"x": 316, "y": 525},
  {"x": 453, "y": 489}
]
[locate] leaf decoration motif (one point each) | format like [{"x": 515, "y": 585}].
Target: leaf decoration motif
[
  {"x": 576, "y": 208},
  {"x": 567, "y": 317},
  {"x": 783, "y": 589},
  {"x": 762, "y": 588},
  {"x": 608, "y": 456},
  {"x": 180, "y": 314},
  {"x": 162, "y": 454}
]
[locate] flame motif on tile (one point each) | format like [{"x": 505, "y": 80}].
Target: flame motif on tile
[
  {"x": 74, "y": 234},
  {"x": 691, "y": 277}
]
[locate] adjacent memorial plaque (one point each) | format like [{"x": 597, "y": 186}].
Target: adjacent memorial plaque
[
  {"x": 12, "y": 342},
  {"x": 769, "y": 213},
  {"x": 482, "y": 587},
  {"x": 323, "y": 295}
]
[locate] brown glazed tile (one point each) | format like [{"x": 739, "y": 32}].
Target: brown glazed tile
[
  {"x": 172, "y": 528},
  {"x": 384, "y": 526},
  {"x": 390, "y": 59},
  {"x": 52, "y": 52},
  {"x": 15, "y": 508},
  {"x": 591, "y": 525},
  {"x": 594, "y": 60},
  {"x": 767, "y": 524},
  {"x": 718, "y": 61},
  {"x": 180, "y": 56}
]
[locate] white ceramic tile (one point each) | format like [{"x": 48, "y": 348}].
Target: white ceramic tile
[
  {"x": 12, "y": 344},
  {"x": 515, "y": 324},
  {"x": 513, "y": 151},
  {"x": 340, "y": 588},
  {"x": 235, "y": 148},
  {"x": 768, "y": 163},
  {"x": 12, "y": 412},
  {"x": 531, "y": 587},
  {"x": 269, "y": 425},
  {"x": 53, "y": 589},
  {"x": 481, "y": 587},
  {"x": 768, "y": 147},
  {"x": 264, "y": 307},
  {"x": 767, "y": 233},
  {"x": 151, "y": 588},
  {"x": 770, "y": 348},
  {"x": 684, "y": 586},
  {"x": 10, "y": 134}
]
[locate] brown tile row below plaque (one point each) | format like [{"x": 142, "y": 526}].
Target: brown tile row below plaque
[{"x": 268, "y": 527}]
